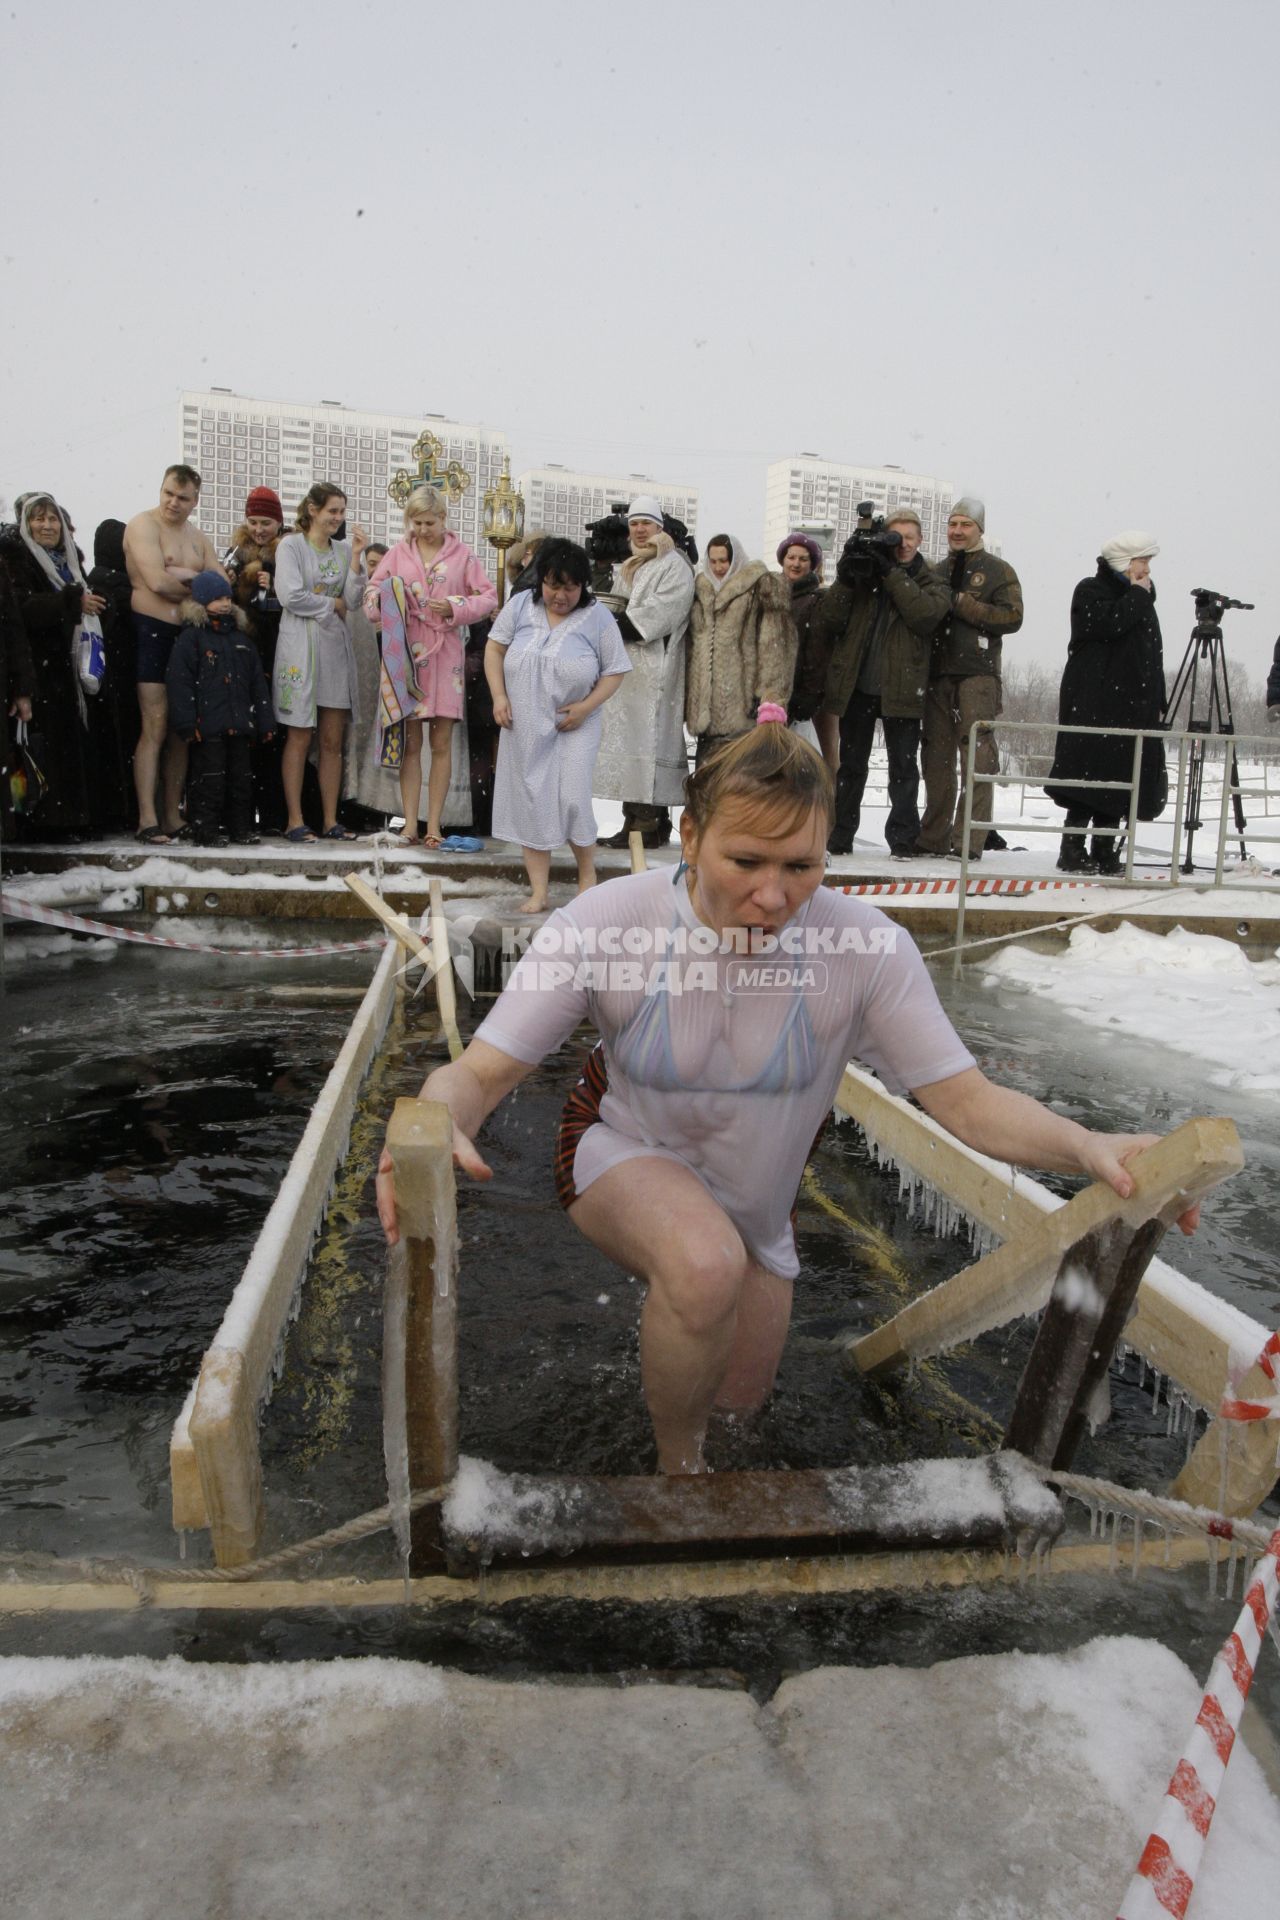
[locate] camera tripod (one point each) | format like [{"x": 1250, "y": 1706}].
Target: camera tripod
[{"x": 1201, "y": 681}]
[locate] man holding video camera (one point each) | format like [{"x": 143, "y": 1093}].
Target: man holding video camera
[
  {"x": 964, "y": 685},
  {"x": 879, "y": 619}
]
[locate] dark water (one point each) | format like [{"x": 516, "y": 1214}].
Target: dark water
[{"x": 150, "y": 1107}]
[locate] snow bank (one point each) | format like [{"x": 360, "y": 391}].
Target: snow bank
[{"x": 1192, "y": 992}]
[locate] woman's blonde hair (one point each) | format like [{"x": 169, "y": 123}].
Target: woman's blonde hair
[
  {"x": 770, "y": 771},
  {"x": 425, "y": 500}
]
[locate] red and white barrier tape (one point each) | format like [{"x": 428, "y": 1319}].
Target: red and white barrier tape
[
  {"x": 1012, "y": 886},
  {"x": 1233, "y": 1408},
  {"x": 1165, "y": 1878},
  {"x": 14, "y": 907}
]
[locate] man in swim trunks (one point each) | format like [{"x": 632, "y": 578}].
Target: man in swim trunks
[
  {"x": 728, "y": 1004},
  {"x": 163, "y": 555}
]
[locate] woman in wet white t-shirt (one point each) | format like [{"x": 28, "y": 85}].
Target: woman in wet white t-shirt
[{"x": 728, "y": 999}]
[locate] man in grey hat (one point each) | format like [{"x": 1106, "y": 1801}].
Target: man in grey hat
[
  {"x": 964, "y": 682},
  {"x": 642, "y": 759}
]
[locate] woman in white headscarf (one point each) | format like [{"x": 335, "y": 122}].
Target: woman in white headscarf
[
  {"x": 46, "y": 572},
  {"x": 1114, "y": 677},
  {"x": 642, "y": 753},
  {"x": 742, "y": 646}
]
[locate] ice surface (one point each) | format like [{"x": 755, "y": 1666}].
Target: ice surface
[
  {"x": 1193, "y": 992},
  {"x": 1016, "y": 1785}
]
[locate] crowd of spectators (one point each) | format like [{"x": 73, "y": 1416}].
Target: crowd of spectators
[{"x": 288, "y": 686}]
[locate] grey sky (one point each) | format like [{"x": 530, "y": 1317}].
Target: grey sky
[{"x": 1029, "y": 248}]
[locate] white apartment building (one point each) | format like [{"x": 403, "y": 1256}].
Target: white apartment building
[
  {"x": 559, "y": 500},
  {"x": 805, "y": 488},
  {"x": 236, "y": 443}
]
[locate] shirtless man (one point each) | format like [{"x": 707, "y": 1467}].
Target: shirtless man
[{"x": 163, "y": 555}]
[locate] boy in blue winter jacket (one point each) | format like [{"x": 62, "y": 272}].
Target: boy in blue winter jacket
[{"x": 219, "y": 704}]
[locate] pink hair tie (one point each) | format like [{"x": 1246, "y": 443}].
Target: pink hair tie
[{"x": 769, "y": 710}]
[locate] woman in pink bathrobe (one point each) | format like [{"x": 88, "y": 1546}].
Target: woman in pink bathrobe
[{"x": 446, "y": 589}]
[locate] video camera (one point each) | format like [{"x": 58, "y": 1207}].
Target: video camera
[
  {"x": 608, "y": 540},
  {"x": 1210, "y": 607},
  {"x": 870, "y": 545}
]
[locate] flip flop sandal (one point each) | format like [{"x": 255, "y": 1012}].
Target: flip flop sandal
[
  {"x": 153, "y": 837},
  {"x": 300, "y": 837},
  {"x": 335, "y": 832}
]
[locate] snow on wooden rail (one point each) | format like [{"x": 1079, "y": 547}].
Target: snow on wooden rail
[
  {"x": 1187, "y": 1334},
  {"x": 214, "y": 1465}
]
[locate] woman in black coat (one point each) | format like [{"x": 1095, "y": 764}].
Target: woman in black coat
[
  {"x": 1114, "y": 676},
  {"x": 44, "y": 567}
]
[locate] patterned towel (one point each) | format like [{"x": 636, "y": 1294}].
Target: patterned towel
[{"x": 397, "y": 684}]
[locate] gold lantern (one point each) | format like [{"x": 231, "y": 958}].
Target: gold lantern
[{"x": 503, "y": 520}]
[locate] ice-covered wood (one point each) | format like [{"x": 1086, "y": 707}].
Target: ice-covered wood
[
  {"x": 1078, "y": 1332},
  {"x": 778, "y": 1577},
  {"x": 1017, "y": 1277},
  {"x": 259, "y": 1309},
  {"x": 224, "y": 1437},
  {"x": 1233, "y": 1465},
  {"x": 1187, "y": 1334},
  {"x": 980, "y": 1187},
  {"x": 420, "y": 1363},
  {"x": 922, "y": 1504},
  {"x": 446, "y": 997},
  {"x": 394, "y": 922}
]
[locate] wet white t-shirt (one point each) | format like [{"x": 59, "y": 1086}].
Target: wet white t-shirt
[{"x": 726, "y": 1062}]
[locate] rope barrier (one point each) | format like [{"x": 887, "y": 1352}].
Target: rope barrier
[
  {"x": 1046, "y": 926},
  {"x": 141, "y": 1575},
  {"x": 1176, "y": 1515},
  {"x": 14, "y": 907}
]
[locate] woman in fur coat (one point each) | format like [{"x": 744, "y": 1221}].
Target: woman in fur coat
[{"x": 742, "y": 645}]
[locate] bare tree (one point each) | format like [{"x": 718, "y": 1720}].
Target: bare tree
[{"x": 1029, "y": 694}]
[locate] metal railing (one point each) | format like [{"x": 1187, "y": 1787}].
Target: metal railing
[{"x": 1188, "y": 745}]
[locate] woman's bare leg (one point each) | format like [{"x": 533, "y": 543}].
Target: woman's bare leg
[
  {"x": 331, "y": 725},
  {"x": 584, "y": 858},
  {"x": 293, "y": 763},
  {"x": 411, "y": 777},
  {"x": 714, "y": 1321},
  {"x": 438, "y": 778},
  {"x": 537, "y": 864}
]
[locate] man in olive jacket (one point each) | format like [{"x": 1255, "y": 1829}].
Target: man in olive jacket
[
  {"x": 878, "y": 619},
  {"x": 964, "y": 683}
]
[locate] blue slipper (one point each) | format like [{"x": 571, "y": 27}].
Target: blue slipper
[{"x": 461, "y": 843}]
